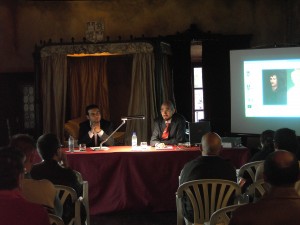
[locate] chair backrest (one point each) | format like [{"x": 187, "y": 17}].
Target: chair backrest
[
  {"x": 206, "y": 196},
  {"x": 257, "y": 189},
  {"x": 85, "y": 200},
  {"x": 71, "y": 127},
  {"x": 79, "y": 176},
  {"x": 297, "y": 187},
  {"x": 64, "y": 193},
  {"x": 250, "y": 168},
  {"x": 223, "y": 216},
  {"x": 55, "y": 220},
  {"x": 85, "y": 195}
]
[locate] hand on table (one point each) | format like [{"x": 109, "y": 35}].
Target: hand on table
[{"x": 160, "y": 145}]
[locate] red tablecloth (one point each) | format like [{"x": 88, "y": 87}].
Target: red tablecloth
[{"x": 123, "y": 179}]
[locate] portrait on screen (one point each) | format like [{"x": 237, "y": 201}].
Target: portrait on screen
[{"x": 274, "y": 87}]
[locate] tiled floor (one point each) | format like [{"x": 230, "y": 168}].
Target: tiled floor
[{"x": 165, "y": 218}]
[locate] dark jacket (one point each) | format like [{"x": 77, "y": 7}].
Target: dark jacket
[
  {"x": 84, "y": 137},
  {"x": 204, "y": 167},
  {"x": 53, "y": 172},
  {"x": 176, "y": 134}
]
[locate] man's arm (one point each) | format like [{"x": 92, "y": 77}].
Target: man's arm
[
  {"x": 84, "y": 136},
  {"x": 156, "y": 134},
  {"x": 107, "y": 130}
]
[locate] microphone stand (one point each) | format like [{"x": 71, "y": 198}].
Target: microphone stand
[{"x": 123, "y": 122}]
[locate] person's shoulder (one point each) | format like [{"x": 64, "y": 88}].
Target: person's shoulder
[
  {"x": 194, "y": 162},
  {"x": 224, "y": 162},
  {"x": 44, "y": 183},
  {"x": 37, "y": 166},
  {"x": 35, "y": 207},
  {"x": 85, "y": 123},
  {"x": 69, "y": 173}
]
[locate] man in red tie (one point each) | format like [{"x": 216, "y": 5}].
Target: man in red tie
[{"x": 169, "y": 129}]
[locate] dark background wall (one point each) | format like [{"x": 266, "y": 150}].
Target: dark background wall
[{"x": 24, "y": 23}]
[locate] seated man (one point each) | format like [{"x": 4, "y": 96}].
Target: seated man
[
  {"x": 94, "y": 130},
  {"x": 281, "y": 205},
  {"x": 15, "y": 210},
  {"x": 169, "y": 128},
  {"x": 41, "y": 192},
  {"x": 207, "y": 166},
  {"x": 284, "y": 139},
  {"x": 49, "y": 149}
]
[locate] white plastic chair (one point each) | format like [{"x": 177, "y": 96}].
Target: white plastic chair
[
  {"x": 55, "y": 220},
  {"x": 64, "y": 193},
  {"x": 257, "y": 189},
  {"x": 85, "y": 195},
  {"x": 206, "y": 196},
  {"x": 250, "y": 168},
  {"x": 223, "y": 216}
]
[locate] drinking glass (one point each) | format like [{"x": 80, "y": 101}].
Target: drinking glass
[
  {"x": 143, "y": 145},
  {"x": 82, "y": 147}
]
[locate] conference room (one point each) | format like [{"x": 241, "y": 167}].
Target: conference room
[{"x": 128, "y": 57}]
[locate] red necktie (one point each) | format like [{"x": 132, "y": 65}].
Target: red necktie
[{"x": 165, "y": 134}]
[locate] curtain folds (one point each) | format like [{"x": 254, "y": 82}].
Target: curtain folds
[
  {"x": 54, "y": 86},
  {"x": 87, "y": 84},
  {"x": 142, "y": 98}
]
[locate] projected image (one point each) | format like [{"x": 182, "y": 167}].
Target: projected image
[
  {"x": 272, "y": 88},
  {"x": 294, "y": 90}
]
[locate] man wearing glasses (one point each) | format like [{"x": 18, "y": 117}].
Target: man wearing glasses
[
  {"x": 169, "y": 129},
  {"x": 94, "y": 130}
]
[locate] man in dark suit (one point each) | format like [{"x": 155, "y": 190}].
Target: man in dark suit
[
  {"x": 207, "y": 166},
  {"x": 281, "y": 204},
  {"x": 94, "y": 130},
  {"x": 55, "y": 168},
  {"x": 169, "y": 128}
]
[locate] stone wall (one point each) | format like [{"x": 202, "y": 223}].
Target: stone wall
[{"x": 23, "y": 23}]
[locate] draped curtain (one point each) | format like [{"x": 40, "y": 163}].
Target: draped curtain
[
  {"x": 142, "y": 98},
  {"x": 54, "y": 87},
  {"x": 166, "y": 80},
  {"x": 93, "y": 76},
  {"x": 87, "y": 84}
]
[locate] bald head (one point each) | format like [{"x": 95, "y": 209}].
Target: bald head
[
  {"x": 281, "y": 168},
  {"x": 211, "y": 144}
]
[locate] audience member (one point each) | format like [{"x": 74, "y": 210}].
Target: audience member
[
  {"x": 95, "y": 129},
  {"x": 207, "y": 166},
  {"x": 284, "y": 139},
  {"x": 37, "y": 191},
  {"x": 15, "y": 210},
  {"x": 267, "y": 146},
  {"x": 49, "y": 149},
  {"x": 281, "y": 205},
  {"x": 169, "y": 128}
]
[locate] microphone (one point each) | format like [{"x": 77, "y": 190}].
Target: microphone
[
  {"x": 137, "y": 117},
  {"x": 124, "y": 119}
]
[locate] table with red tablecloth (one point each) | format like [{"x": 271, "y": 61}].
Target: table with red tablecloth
[{"x": 122, "y": 179}]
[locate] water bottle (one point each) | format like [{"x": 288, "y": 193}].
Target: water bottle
[
  {"x": 134, "y": 140},
  {"x": 71, "y": 143}
]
